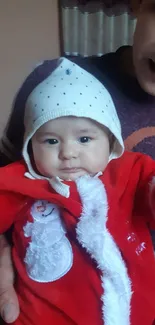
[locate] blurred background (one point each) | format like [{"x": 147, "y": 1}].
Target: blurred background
[
  {"x": 28, "y": 34},
  {"x": 31, "y": 31},
  {"x": 96, "y": 27}
]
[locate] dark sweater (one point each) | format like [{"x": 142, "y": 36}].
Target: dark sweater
[{"x": 135, "y": 108}]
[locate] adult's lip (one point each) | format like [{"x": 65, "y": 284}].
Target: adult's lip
[
  {"x": 146, "y": 75},
  {"x": 144, "y": 62},
  {"x": 151, "y": 63},
  {"x": 147, "y": 68},
  {"x": 148, "y": 59}
]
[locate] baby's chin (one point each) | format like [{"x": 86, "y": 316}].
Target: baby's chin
[
  {"x": 72, "y": 176},
  {"x": 69, "y": 176}
]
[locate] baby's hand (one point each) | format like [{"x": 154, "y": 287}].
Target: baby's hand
[{"x": 9, "y": 306}]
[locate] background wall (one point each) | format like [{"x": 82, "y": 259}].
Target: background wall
[{"x": 28, "y": 34}]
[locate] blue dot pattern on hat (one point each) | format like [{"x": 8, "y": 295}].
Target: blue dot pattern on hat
[{"x": 68, "y": 71}]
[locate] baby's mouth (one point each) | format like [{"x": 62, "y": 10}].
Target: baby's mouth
[{"x": 71, "y": 170}]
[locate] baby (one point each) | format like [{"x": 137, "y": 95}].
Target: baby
[{"x": 81, "y": 208}]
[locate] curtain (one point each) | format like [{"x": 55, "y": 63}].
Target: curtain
[
  {"x": 107, "y": 3},
  {"x": 95, "y": 27}
]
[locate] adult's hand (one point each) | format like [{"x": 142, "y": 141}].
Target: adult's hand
[{"x": 9, "y": 306}]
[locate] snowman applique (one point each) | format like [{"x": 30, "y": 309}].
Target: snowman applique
[{"x": 49, "y": 254}]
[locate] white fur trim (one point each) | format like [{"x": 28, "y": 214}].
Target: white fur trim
[{"x": 96, "y": 239}]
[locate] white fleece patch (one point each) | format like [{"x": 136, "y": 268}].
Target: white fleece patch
[
  {"x": 96, "y": 239},
  {"x": 49, "y": 255}
]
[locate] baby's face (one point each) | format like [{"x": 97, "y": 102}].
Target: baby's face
[{"x": 70, "y": 147}]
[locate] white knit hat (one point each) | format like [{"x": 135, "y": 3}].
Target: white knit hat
[{"x": 70, "y": 91}]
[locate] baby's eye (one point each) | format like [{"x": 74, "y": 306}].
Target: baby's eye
[
  {"x": 51, "y": 141},
  {"x": 85, "y": 139}
]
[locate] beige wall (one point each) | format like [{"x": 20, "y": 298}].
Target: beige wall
[{"x": 28, "y": 34}]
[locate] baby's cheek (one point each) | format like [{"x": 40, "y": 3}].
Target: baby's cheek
[
  {"x": 102, "y": 159},
  {"x": 49, "y": 166},
  {"x": 41, "y": 162},
  {"x": 96, "y": 163}
]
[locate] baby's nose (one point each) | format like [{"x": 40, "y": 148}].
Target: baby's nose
[{"x": 68, "y": 151}]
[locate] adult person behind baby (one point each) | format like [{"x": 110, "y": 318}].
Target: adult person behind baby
[{"x": 129, "y": 75}]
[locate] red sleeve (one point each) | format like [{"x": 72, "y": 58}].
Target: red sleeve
[
  {"x": 11, "y": 206},
  {"x": 11, "y": 201},
  {"x": 145, "y": 193}
]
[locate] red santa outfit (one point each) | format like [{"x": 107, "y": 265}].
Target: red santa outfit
[
  {"x": 82, "y": 249},
  {"x": 85, "y": 256}
]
